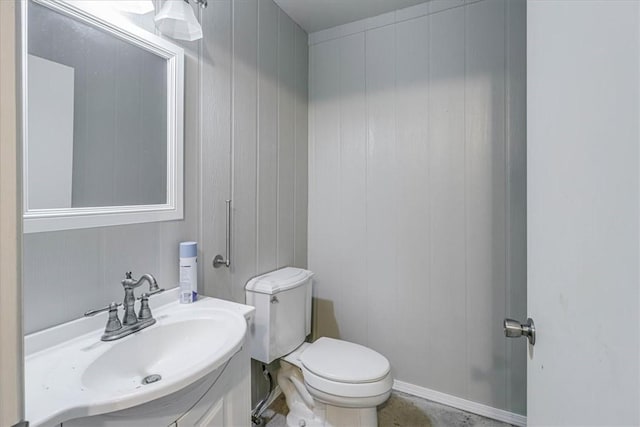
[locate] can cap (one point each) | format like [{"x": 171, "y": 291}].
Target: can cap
[{"x": 188, "y": 249}]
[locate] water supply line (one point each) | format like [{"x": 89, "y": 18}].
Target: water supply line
[{"x": 256, "y": 419}]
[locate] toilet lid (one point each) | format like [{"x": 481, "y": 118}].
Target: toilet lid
[{"x": 343, "y": 361}]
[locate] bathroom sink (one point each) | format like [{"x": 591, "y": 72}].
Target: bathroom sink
[
  {"x": 84, "y": 376},
  {"x": 167, "y": 352}
]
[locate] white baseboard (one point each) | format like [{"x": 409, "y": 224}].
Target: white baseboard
[{"x": 459, "y": 403}]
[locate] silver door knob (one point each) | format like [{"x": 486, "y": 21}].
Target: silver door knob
[{"x": 514, "y": 329}]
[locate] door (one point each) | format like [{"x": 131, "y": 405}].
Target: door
[{"x": 582, "y": 159}]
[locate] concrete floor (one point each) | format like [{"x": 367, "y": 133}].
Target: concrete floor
[{"x": 401, "y": 410}]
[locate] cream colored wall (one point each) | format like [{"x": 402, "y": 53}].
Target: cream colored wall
[{"x": 11, "y": 362}]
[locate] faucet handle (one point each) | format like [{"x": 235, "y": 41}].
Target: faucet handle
[
  {"x": 145, "y": 311},
  {"x": 110, "y": 307},
  {"x": 113, "y": 323}
]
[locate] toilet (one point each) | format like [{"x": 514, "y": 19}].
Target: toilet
[{"x": 327, "y": 383}]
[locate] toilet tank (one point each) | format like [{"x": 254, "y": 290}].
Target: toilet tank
[{"x": 282, "y": 319}]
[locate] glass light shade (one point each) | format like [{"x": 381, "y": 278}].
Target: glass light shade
[
  {"x": 139, "y": 7},
  {"x": 177, "y": 20}
]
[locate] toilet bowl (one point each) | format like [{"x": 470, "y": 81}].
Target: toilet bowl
[
  {"x": 326, "y": 383},
  {"x": 334, "y": 383}
]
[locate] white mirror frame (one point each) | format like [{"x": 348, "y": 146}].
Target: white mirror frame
[{"x": 95, "y": 13}]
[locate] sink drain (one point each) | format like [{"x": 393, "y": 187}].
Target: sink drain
[{"x": 151, "y": 379}]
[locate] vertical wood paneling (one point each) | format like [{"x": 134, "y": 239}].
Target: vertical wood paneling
[
  {"x": 51, "y": 261},
  {"x": 313, "y": 221},
  {"x": 126, "y": 123},
  {"x": 516, "y": 204},
  {"x": 245, "y": 93},
  {"x": 267, "y": 135},
  {"x": 216, "y": 116},
  {"x": 118, "y": 258},
  {"x": 173, "y": 232},
  {"x": 100, "y": 122},
  {"x": 154, "y": 100},
  {"x": 485, "y": 198},
  {"x": 301, "y": 148},
  {"x": 353, "y": 171},
  {"x": 381, "y": 189},
  {"x": 431, "y": 248},
  {"x": 412, "y": 91},
  {"x": 447, "y": 264},
  {"x": 325, "y": 202},
  {"x": 269, "y": 140},
  {"x": 286, "y": 140},
  {"x": 250, "y": 86}
]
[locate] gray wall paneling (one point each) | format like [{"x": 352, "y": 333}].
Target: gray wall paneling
[
  {"x": 267, "y": 193},
  {"x": 301, "y": 147},
  {"x": 486, "y": 184},
  {"x": 245, "y": 155},
  {"x": 255, "y": 69},
  {"x": 413, "y": 120},
  {"x": 216, "y": 128},
  {"x": 254, "y": 146},
  {"x": 417, "y": 193},
  {"x": 516, "y": 122}
]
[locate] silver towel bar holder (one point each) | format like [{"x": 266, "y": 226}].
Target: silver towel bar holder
[{"x": 219, "y": 260}]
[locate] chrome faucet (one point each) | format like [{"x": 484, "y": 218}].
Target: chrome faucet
[
  {"x": 130, "y": 322},
  {"x": 129, "y": 284}
]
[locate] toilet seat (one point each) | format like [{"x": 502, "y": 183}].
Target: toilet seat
[
  {"x": 341, "y": 368},
  {"x": 344, "y": 389},
  {"x": 344, "y": 361}
]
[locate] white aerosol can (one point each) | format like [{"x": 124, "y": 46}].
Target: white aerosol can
[{"x": 188, "y": 272}]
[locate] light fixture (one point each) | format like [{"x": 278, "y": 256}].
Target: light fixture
[
  {"x": 139, "y": 7},
  {"x": 177, "y": 20}
]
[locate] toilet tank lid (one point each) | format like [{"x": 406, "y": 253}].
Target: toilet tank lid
[{"x": 279, "y": 280}]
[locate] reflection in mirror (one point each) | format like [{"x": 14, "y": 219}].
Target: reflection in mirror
[
  {"x": 97, "y": 115},
  {"x": 50, "y": 158},
  {"x": 103, "y": 119}
]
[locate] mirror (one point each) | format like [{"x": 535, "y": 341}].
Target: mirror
[{"x": 103, "y": 119}]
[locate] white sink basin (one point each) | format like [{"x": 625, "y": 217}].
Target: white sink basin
[
  {"x": 171, "y": 350},
  {"x": 84, "y": 376}
]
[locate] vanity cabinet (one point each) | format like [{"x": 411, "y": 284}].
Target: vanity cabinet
[
  {"x": 226, "y": 404},
  {"x": 220, "y": 399}
]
